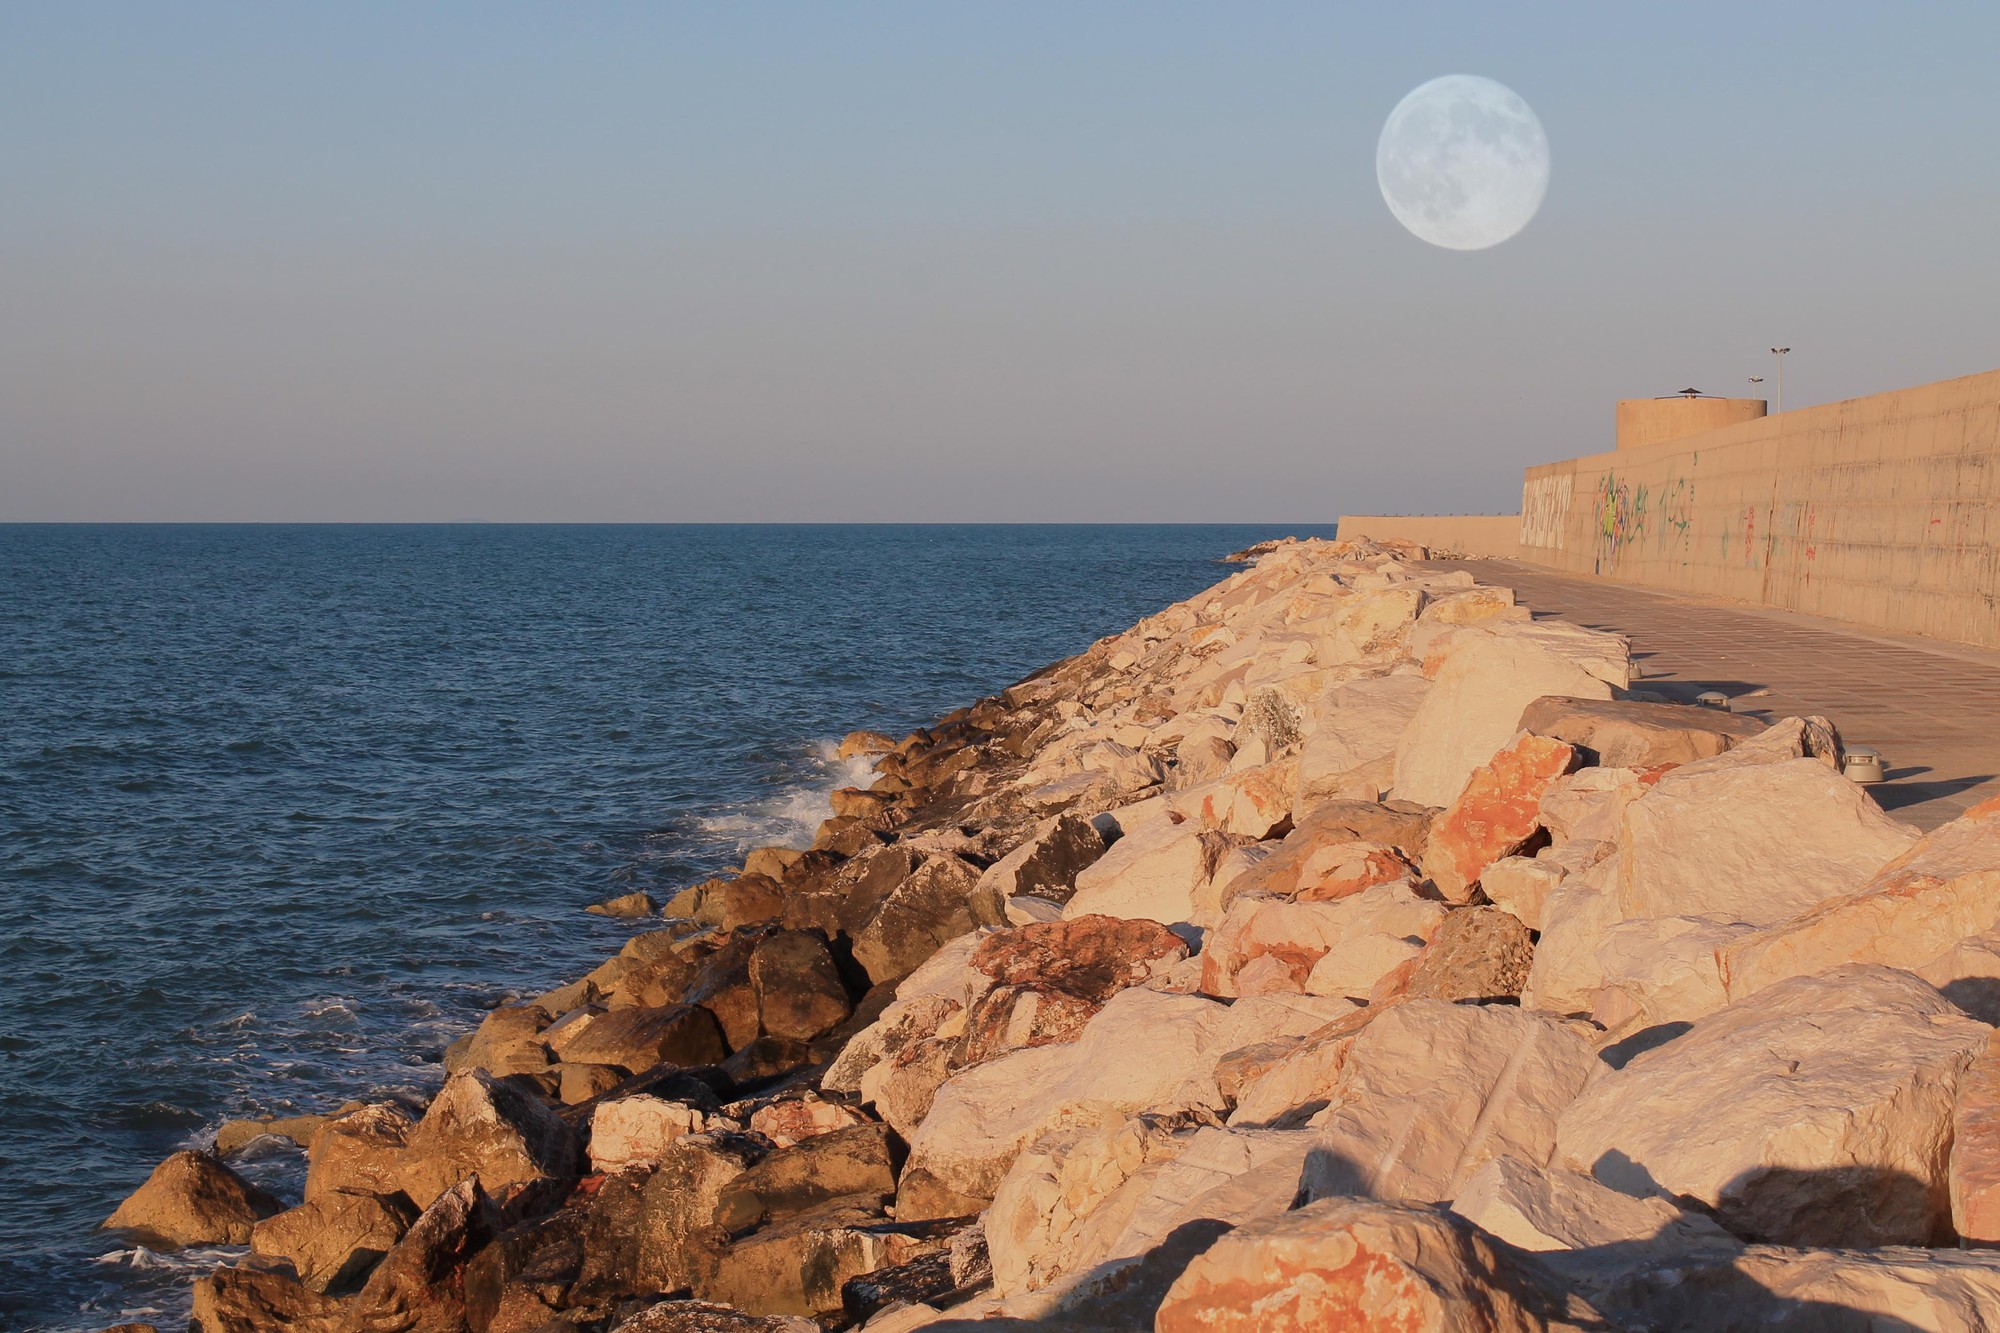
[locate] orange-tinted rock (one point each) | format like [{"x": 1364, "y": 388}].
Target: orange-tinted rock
[
  {"x": 1975, "y": 1150},
  {"x": 1496, "y": 814},
  {"x": 1324, "y": 841},
  {"x": 1091, "y": 957},
  {"x": 490, "y": 1130},
  {"x": 799, "y": 991},
  {"x": 1345, "y": 869},
  {"x": 1268, "y": 946},
  {"x": 729, "y": 903},
  {"x": 1361, "y": 1267},
  {"x": 1009, "y": 1018},
  {"x": 1255, "y": 802},
  {"x": 640, "y": 1037},
  {"x": 796, "y": 1119},
  {"x": 864, "y": 743}
]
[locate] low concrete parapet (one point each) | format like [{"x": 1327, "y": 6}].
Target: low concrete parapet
[{"x": 1489, "y": 536}]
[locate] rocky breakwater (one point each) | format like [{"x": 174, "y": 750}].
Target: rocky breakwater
[{"x": 1340, "y": 948}]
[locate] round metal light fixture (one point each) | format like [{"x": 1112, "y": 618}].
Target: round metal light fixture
[{"x": 1864, "y": 764}]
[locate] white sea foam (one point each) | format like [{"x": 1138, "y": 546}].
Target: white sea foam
[{"x": 791, "y": 817}]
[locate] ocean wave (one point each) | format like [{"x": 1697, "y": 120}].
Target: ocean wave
[{"x": 791, "y": 817}]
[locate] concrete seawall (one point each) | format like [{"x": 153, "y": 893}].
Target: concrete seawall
[
  {"x": 1492, "y": 536},
  {"x": 1882, "y": 511}
]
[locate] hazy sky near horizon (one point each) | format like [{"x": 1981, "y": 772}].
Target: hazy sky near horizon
[{"x": 1011, "y": 261}]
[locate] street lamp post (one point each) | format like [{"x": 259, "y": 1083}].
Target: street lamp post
[{"x": 1779, "y": 352}]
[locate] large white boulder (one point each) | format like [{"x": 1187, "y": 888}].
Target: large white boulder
[
  {"x": 1358, "y": 725},
  {"x": 1742, "y": 838},
  {"x": 1553, "y": 1208},
  {"x": 1766, "y": 1288},
  {"x": 1431, "y": 1091},
  {"x": 1910, "y": 913},
  {"x": 1816, "y": 1112},
  {"x": 1082, "y": 1199},
  {"x": 1575, "y": 918},
  {"x": 1661, "y": 970},
  {"x": 1144, "y": 1049},
  {"x": 1484, "y": 678},
  {"x": 1153, "y": 872}
]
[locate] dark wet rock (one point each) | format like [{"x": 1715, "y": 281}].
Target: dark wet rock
[
  {"x": 852, "y": 1163},
  {"x": 334, "y": 1241},
  {"x": 626, "y": 905},
  {"x": 798, "y": 1264},
  {"x": 610, "y": 1230},
  {"x": 798, "y": 986},
  {"x": 1043, "y": 866},
  {"x": 723, "y": 987},
  {"x": 525, "y": 1275},
  {"x": 918, "y": 915},
  {"x": 936, "y": 1264},
  {"x": 419, "y": 1287},
  {"x": 359, "y": 1151},
  {"x": 709, "y": 1317},
  {"x": 508, "y": 1041},
  {"x": 641, "y": 1037},
  {"x": 765, "y": 1059},
  {"x": 487, "y": 1128},
  {"x": 679, "y": 1239},
  {"x": 581, "y": 1082},
  {"x": 248, "y": 1300},
  {"x": 191, "y": 1198}
]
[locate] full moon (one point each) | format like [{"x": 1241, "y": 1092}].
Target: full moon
[{"x": 1463, "y": 162}]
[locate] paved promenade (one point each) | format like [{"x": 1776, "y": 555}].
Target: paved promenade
[{"x": 1931, "y": 708}]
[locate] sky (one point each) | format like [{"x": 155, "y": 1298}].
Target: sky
[{"x": 938, "y": 262}]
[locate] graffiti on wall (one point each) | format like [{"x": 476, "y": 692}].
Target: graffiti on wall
[
  {"x": 1545, "y": 510},
  {"x": 1620, "y": 517},
  {"x": 1676, "y": 517}
]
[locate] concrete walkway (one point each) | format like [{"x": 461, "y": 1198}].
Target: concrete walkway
[{"x": 1932, "y": 708}]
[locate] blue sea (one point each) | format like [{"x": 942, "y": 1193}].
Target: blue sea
[{"x": 283, "y": 809}]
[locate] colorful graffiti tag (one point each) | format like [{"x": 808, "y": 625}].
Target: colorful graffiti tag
[
  {"x": 1676, "y": 517},
  {"x": 1621, "y": 517}
]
